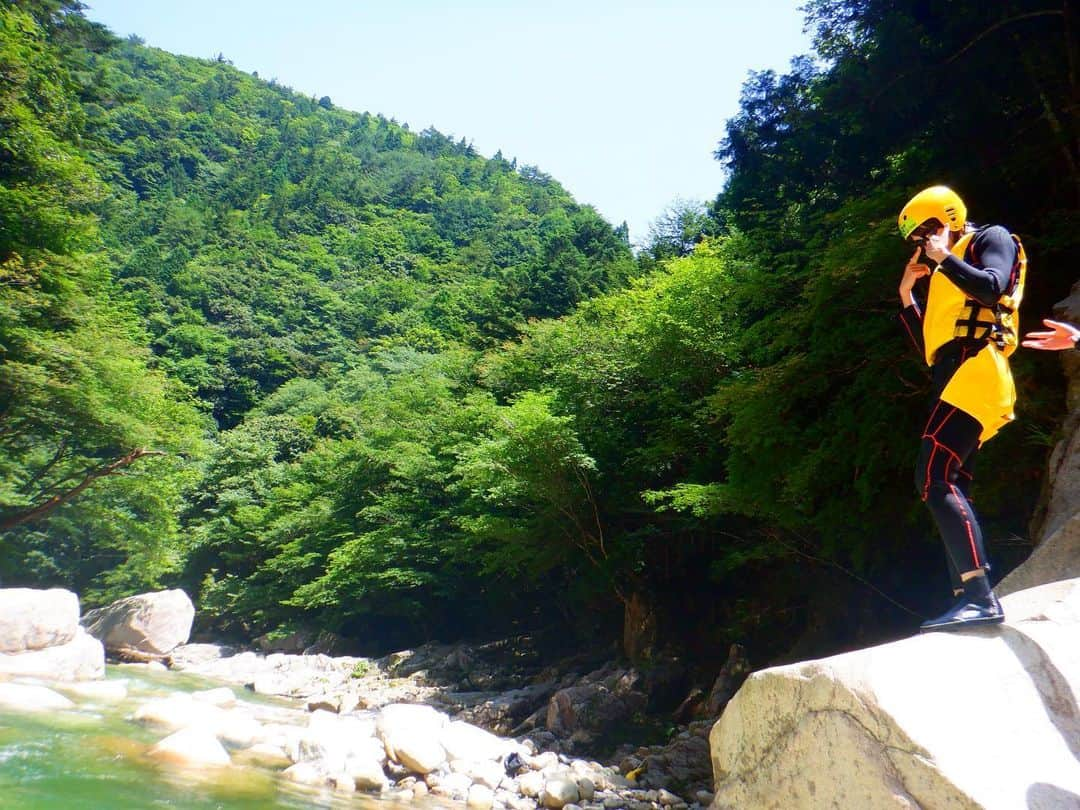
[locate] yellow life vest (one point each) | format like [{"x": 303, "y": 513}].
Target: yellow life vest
[{"x": 983, "y": 385}]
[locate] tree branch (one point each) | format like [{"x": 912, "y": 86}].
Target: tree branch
[{"x": 42, "y": 509}]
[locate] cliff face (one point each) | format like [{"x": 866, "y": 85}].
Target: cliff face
[
  {"x": 1057, "y": 551},
  {"x": 986, "y": 718}
]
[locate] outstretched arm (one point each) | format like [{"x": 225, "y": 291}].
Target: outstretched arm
[{"x": 1061, "y": 336}]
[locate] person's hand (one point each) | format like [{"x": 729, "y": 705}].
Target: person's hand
[
  {"x": 913, "y": 271},
  {"x": 1061, "y": 336},
  {"x": 937, "y": 245}
]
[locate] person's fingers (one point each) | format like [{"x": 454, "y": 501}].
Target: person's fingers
[
  {"x": 914, "y": 256},
  {"x": 1055, "y": 324},
  {"x": 1038, "y": 335}
]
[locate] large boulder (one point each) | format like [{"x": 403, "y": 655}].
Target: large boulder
[
  {"x": 152, "y": 623},
  {"x": 33, "y": 619},
  {"x": 981, "y": 718},
  {"x": 81, "y": 658}
]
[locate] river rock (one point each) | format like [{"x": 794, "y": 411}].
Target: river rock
[
  {"x": 451, "y": 786},
  {"x": 32, "y": 619},
  {"x": 485, "y": 772},
  {"x": 480, "y": 797},
  {"x": 531, "y": 783},
  {"x": 193, "y": 656},
  {"x": 411, "y": 736},
  {"x": 153, "y": 623},
  {"x": 81, "y": 658},
  {"x": 463, "y": 741},
  {"x": 103, "y": 691},
  {"x": 559, "y": 791},
  {"x": 223, "y": 697},
  {"x": 304, "y": 773},
  {"x": 30, "y": 698},
  {"x": 366, "y": 773},
  {"x": 191, "y": 746},
  {"x": 178, "y": 711},
  {"x": 586, "y": 788},
  {"x": 981, "y": 718},
  {"x": 331, "y": 740}
]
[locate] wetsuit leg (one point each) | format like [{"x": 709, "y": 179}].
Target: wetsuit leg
[
  {"x": 949, "y": 440},
  {"x": 963, "y": 482}
]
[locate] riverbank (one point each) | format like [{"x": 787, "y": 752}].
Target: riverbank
[{"x": 243, "y": 728}]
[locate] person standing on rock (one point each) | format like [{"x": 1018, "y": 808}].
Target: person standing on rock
[{"x": 965, "y": 328}]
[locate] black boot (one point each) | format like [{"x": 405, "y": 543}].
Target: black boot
[{"x": 976, "y": 606}]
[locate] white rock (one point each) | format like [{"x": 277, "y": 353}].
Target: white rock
[
  {"x": 464, "y": 741},
  {"x": 29, "y": 698},
  {"x": 81, "y": 658},
  {"x": 559, "y": 791},
  {"x": 531, "y": 783},
  {"x": 449, "y": 786},
  {"x": 480, "y": 797},
  {"x": 223, "y": 697},
  {"x": 366, "y": 773},
  {"x": 191, "y": 746},
  {"x": 237, "y": 729},
  {"x": 981, "y": 718},
  {"x": 176, "y": 712},
  {"x": 548, "y": 759},
  {"x": 32, "y": 619},
  {"x": 104, "y": 691},
  {"x": 151, "y": 622},
  {"x": 304, "y": 773},
  {"x": 520, "y": 803},
  {"x": 411, "y": 736},
  {"x": 485, "y": 772}
]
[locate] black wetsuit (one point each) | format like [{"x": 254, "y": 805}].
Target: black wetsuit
[{"x": 950, "y": 439}]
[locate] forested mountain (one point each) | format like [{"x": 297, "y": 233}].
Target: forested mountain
[{"x": 402, "y": 391}]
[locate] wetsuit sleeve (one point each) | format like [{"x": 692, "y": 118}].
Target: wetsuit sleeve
[
  {"x": 987, "y": 282},
  {"x": 911, "y": 320}
]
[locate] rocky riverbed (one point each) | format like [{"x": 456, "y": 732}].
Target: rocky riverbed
[{"x": 490, "y": 726}]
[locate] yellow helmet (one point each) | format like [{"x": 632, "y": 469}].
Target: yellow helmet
[{"x": 937, "y": 202}]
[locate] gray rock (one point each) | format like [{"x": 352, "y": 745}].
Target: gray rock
[
  {"x": 586, "y": 788},
  {"x": 153, "y": 623}
]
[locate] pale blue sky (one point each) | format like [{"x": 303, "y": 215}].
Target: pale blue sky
[{"x": 623, "y": 103}]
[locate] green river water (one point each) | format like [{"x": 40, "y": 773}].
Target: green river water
[{"x": 93, "y": 757}]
